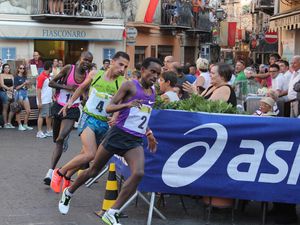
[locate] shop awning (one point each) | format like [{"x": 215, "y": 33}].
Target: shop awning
[
  {"x": 289, "y": 21},
  {"x": 34, "y": 30}
]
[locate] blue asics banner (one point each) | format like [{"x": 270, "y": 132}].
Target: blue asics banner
[{"x": 245, "y": 157}]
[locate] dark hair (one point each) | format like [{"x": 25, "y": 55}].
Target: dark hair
[
  {"x": 146, "y": 63},
  {"x": 274, "y": 66},
  {"x": 138, "y": 66},
  {"x": 225, "y": 71},
  {"x": 47, "y": 65},
  {"x": 286, "y": 63},
  {"x": 86, "y": 54},
  {"x": 106, "y": 61},
  {"x": 241, "y": 61},
  {"x": 276, "y": 56},
  {"x": 25, "y": 71},
  {"x": 170, "y": 76},
  {"x": 186, "y": 69},
  {"x": 121, "y": 54},
  {"x": 4, "y": 65}
]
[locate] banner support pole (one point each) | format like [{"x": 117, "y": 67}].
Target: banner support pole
[{"x": 151, "y": 205}]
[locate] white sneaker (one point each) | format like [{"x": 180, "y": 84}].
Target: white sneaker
[
  {"x": 48, "y": 177},
  {"x": 9, "y": 126},
  {"x": 27, "y": 127},
  {"x": 40, "y": 134},
  {"x": 49, "y": 133},
  {"x": 64, "y": 203},
  {"x": 21, "y": 128},
  {"x": 111, "y": 218}
]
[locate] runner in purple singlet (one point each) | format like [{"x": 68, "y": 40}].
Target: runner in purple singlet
[{"x": 134, "y": 102}]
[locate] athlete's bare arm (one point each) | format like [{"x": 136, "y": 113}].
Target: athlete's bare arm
[
  {"x": 126, "y": 91},
  {"x": 63, "y": 73}
]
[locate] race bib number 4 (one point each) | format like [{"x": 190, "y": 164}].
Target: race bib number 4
[
  {"x": 138, "y": 119},
  {"x": 98, "y": 102}
]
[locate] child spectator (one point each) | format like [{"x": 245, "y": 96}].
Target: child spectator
[
  {"x": 44, "y": 100},
  {"x": 167, "y": 82}
]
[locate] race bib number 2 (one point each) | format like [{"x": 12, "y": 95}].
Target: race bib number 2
[{"x": 138, "y": 119}]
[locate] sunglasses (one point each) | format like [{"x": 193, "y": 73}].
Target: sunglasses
[{"x": 22, "y": 68}]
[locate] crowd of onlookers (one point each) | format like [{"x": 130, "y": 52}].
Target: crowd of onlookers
[{"x": 70, "y": 7}]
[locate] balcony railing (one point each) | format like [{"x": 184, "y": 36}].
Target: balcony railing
[
  {"x": 182, "y": 14},
  {"x": 84, "y": 10},
  {"x": 266, "y": 6}
]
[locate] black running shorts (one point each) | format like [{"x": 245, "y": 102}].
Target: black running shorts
[
  {"x": 118, "y": 142},
  {"x": 72, "y": 113}
]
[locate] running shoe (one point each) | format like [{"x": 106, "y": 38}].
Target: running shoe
[
  {"x": 21, "y": 128},
  {"x": 27, "y": 127},
  {"x": 40, "y": 134},
  {"x": 111, "y": 219},
  {"x": 64, "y": 202},
  {"x": 9, "y": 126},
  {"x": 56, "y": 181},
  {"x": 66, "y": 183},
  {"x": 66, "y": 143},
  {"x": 48, "y": 177},
  {"x": 49, "y": 133}
]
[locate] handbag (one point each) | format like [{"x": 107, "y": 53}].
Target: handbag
[{"x": 15, "y": 107}]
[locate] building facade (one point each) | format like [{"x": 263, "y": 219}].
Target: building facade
[
  {"x": 286, "y": 21},
  {"x": 27, "y": 25},
  {"x": 168, "y": 28}
]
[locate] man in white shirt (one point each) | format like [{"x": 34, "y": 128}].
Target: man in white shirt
[
  {"x": 292, "y": 94},
  {"x": 277, "y": 79}
]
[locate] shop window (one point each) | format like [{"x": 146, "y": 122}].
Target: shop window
[
  {"x": 163, "y": 51},
  {"x": 139, "y": 56}
]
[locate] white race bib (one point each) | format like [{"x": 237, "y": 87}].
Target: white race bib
[
  {"x": 64, "y": 97},
  {"x": 138, "y": 119},
  {"x": 97, "y": 103}
]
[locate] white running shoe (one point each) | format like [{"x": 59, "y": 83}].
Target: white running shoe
[
  {"x": 21, "y": 128},
  {"x": 64, "y": 203},
  {"x": 40, "y": 134},
  {"x": 49, "y": 133},
  {"x": 27, "y": 127},
  {"x": 48, "y": 177},
  {"x": 111, "y": 218},
  {"x": 9, "y": 126}
]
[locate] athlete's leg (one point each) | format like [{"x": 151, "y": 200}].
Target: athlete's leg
[
  {"x": 135, "y": 160},
  {"x": 65, "y": 128},
  {"x": 100, "y": 160},
  {"x": 89, "y": 148}
]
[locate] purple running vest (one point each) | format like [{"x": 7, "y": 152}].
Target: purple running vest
[{"x": 134, "y": 120}]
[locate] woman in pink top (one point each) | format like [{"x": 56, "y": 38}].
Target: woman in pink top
[{"x": 66, "y": 82}]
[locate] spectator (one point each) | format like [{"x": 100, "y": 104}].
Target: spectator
[
  {"x": 106, "y": 63},
  {"x": 167, "y": 63},
  {"x": 274, "y": 58},
  {"x": 191, "y": 73},
  {"x": 167, "y": 82},
  {"x": 6, "y": 94},
  {"x": 181, "y": 78},
  {"x": 60, "y": 64},
  {"x": 0, "y": 65},
  {"x": 56, "y": 7},
  {"x": 37, "y": 61},
  {"x": 287, "y": 74},
  {"x": 44, "y": 100},
  {"x": 21, "y": 84},
  {"x": 266, "y": 105},
  {"x": 55, "y": 68},
  {"x": 294, "y": 86},
  {"x": 278, "y": 80}
]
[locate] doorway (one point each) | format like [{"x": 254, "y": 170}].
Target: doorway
[{"x": 68, "y": 51}]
